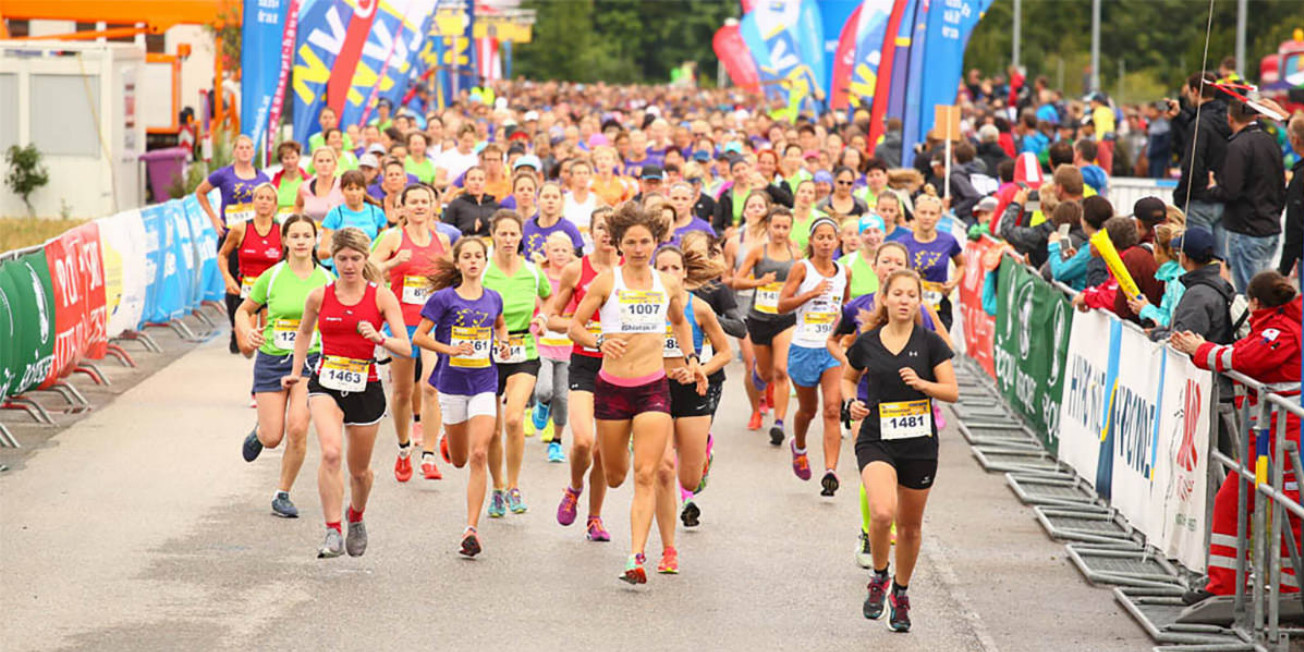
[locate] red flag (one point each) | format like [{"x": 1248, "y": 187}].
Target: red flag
[
  {"x": 733, "y": 54},
  {"x": 884, "y": 83},
  {"x": 843, "y": 60}
]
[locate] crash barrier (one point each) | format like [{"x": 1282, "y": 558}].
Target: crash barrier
[
  {"x": 72, "y": 300},
  {"x": 1123, "y": 192},
  {"x": 1109, "y": 437}
]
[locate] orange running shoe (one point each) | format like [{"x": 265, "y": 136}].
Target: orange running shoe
[
  {"x": 403, "y": 468},
  {"x": 428, "y": 468},
  {"x": 755, "y": 422}
]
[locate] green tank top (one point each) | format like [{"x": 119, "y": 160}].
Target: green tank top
[{"x": 863, "y": 279}]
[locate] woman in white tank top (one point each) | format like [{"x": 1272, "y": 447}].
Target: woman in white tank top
[{"x": 816, "y": 289}]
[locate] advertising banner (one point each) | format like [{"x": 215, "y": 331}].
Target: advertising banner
[
  {"x": 1132, "y": 430},
  {"x": 1032, "y": 340},
  {"x": 122, "y": 254},
  {"x": 871, "y": 26},
  {"x": 911, "y": 21},
  {"x": 775, "y": 44},
  {"x": 154, "y": 220},
  {"x": 1181, "y": 470},
  {"x": 1091, "y": 364},
  {"x": 979, "y": 326},
  {"x": 31, "y": 298},
  {"x": 8, "y": 337},
  {"x": 732, "y": 51},
  {"x": 886, "y": 66},
  {"x": 835, "y": 15},
  {"x": 261, "y": 35}
]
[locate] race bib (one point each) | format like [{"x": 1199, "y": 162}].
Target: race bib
[
  {"x": 343, "y": 374},
  {"x": 284, "y": 332},
  {"x": 767, "y": 298},
  {"x": 479, "y": 337},
  {"x": 595, "y": 329},
  {"x": 933, "y": 293},
  {"x": 416, "y": 289},
  {"x": 553, "y": 338},
  {"x": 517, "y": 353},
  {"x": 239, "y": 214},
  {"x": 905, "y": 419},
  {"x": 640, "y": 311},
  {"x": 817, "y": 324},
  {"x": 247, "y": 285},
  {"x": 672, "y": 349}
]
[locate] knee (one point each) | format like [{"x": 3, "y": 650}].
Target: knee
[
  {"x": 361, "y": 475},
  {"x": 832, "y": 411},
  {"x": 779, "y": 374},
  {"x": 479, "y": 456},
  {"x": 402, "y": 393},
  {"x": 645, "y": 476},
  {"x": 271, "y": 439},
  {"x": 666, "y": 471},
  {"x": 428, "y": 393},
  {"x": 909, "y": 532},
  {"x": 882, "y": 515},
  {"x": 330, "y": 458},
  {"x": 514, "y": 421}
]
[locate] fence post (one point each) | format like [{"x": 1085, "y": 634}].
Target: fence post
[
  {"x": 1278, "y": 512},
  {"x": 1243, "y": 487}
]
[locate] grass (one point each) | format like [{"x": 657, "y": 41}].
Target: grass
[{"x": 21, "y": 232}]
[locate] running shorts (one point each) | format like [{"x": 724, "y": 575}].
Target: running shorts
[
  {"x": 911, "y": 473},
  {"x": 620, "y": 403},
  {"x": 363, "y": 408},
  {"x": 270, "y": 369},
  {"x": 583, "y": 373},
  {"x": 457, "y": 408},
  {"x": 506, "y": 371},
  {"x": 807, "y": 365},
  {"x": 762, "y": 331},
  {"x": 686, "y": 402}
]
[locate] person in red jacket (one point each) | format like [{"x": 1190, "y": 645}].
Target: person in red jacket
[
  {"x": 1140, "y": 266},
  {"x": 1271, "y": 355}
]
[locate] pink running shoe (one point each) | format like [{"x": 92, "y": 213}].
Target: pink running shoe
[
  {"x": 800, "y": 463},
  {"x": 596, "y": 531},
  {"x": 569, "y": 501}
]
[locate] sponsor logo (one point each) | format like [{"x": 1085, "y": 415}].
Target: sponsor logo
[
  {"x": 42, "y": 309},
  {"x": 1060, "y": 327}
]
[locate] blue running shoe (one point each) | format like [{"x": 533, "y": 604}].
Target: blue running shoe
[
  {"x": 555, "y": 454},
  {"x": 497, "y": 504},
  {"x": 542, "y": 411}
]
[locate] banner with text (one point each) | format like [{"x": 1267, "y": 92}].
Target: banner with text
[
  {"x": 1180, "y": 486},
  {"x": 978, "y": 325},
  {"x": 1091, "y": 363}
]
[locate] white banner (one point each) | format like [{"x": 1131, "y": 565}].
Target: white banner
[
  {"x": 1086, "y": 393},
  {"x": 1133, "y": 431},
  {"x": 122, "y": 249},
  {"x": 1181, "y": 473}
]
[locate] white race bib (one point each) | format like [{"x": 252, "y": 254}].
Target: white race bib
[
  {"x": 247, "y": 285},
  {"x": 640, "y": 311},
  {"x": 239, "y": 214},
  {"x": 933, "y": 293},
  {"x": 816, "y": 325},
  {"x": 284, "y": 332},
  {"x": 767, "y": 298},
  {"x": 671, "y": 349},
  {"x": 517, "y": 353},
  {"x": 905, "y": 419},
  {"x": 343, "y": 374},
  {"x": 416, "y": 289},
  {"x": 479, "y": 337}
]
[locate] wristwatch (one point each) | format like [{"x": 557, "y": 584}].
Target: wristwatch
[
  {"x": 600, "y": 339},
  {"x": 693, "y": 357}
]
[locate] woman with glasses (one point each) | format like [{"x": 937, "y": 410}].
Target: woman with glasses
[{"x": 841, "y": 201}]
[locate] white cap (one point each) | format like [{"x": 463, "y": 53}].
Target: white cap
[
  {"x": 654, "y": 111},
  {"x": 531, "y": 115}
]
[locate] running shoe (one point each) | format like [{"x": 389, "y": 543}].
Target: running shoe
[
  {"x": 776, "y": 435},
  {"x": 528, "y": 428},
  {"x": 878, "y": 586},
  {"x": 555, "y": 453},
  {"x": 356, "y": 542},
  {"x": 470, "y": 543},
  {"x": 539, "y": 415},
  {"x": 570, "y": 500},
  {"x": 829, "y": 483},
  {"x": 769, "y": 397},
  {"x": 634, "y": 571},
  {"x": 595, "y": 530},
  {"x": 755, "y": 422},
  {"x": 333, "y": 546},
  {"x": 514, "y": 501},
  {"x": 898, "y": 612},
  {"x": 252, "y": 447},
  {"x": 443, "y": 449},
  {"x": 690, "y": 514},
  {"x": 669, "y": 564},
  {"x": 863, "y": 557},
  {"x": 418, "y": 433},
  {"x": 800, "y": 462},
  {"x": 497, "y": 504},
  {"x": 281, "y": 505},
  {"x": 403, "y": 466},
  {"x": 233, "y": 347},
  {"x": 428, "y": 469},
  {"x": 546, "y": 435}
]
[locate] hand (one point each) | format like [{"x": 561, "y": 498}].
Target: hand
[
  {"x": 1068, "y": 253},
  {"x": 402, "y": 256},
  {"x": 1054, "y": 237},
  {"x": 219, "y": 228},
  {"x": 912, "y": 379},
  {"x": 290, "y": 381},
  {"x": 464, "y": 349},
  {"x": 767, "y": 279},
  {"x": 1135, "y": 304},
  {"x": 696, "y": 372},
  {"x": 369, "y": 332},
  {"x": 613, "y": 349},
  {"x": 1213, "y": 181},
  {"x": 1080, "y": 302},
  {"x": 255, "y": 338},
  {"x": 1021, "y": 197},
  {"x": 1185, "y": 341},
  {"x": 232, "y": 287},
  {"x": 504, "y": 349},
  {"x": 821, "y": 287},
  {"x": 950, "y": 285},
  {"x": 858, "y": 410},
  {"x": 539, "y": 324},
  {"x": 680, "y": 375}
]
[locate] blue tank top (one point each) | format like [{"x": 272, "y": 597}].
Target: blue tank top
[{"x": 672, "y": 349}]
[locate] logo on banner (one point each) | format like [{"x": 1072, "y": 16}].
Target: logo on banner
[
  {"x": 364, "y": 8},
  {"x": 42, "y": 310},
  {"x": 1187, "y": 454},
  {"x": 1024, "y": 302},
  {"x": 1060, "y": 324}
]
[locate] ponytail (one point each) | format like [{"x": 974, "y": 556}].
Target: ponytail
[{"x": 445, "y": 273}]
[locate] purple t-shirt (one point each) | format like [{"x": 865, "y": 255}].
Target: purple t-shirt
[
  {"x": 697, "y": 224},
  {"x": 931, "y": 259},
  {"x": 472, "y": 321},
  {"x": 851, "y": 324},
  {"x": 535, "y": 237},
  {"x": 379, "y": 193},
  {"x": 237, "y": 193}
]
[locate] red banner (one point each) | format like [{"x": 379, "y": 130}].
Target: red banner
[
  {"x": 733, "y": 54},
  {"x": 979, "y": 327},
  {"x": 77, "y": 276}
]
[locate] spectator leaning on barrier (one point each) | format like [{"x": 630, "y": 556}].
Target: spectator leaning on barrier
[
  {"x": 1251, "y": 188},
  {"x": 1029, "y": 241},
  {"x": 1078, "y": 267},
  {"x": 1069, "y": 214},
  {"x": 1141, "y": 265},
  {"x": 1149, "y": 212},
  {"x": 1207, "y": 155},
  {"x": 1270, "y": 354},
  {"x": 1290, "y": 251},
  {"x": 1169, "y": 271}
]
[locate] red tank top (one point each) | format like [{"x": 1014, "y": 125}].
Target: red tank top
[
  {"x": 338, "y": 324},
  {"x": 587, "y": 274},
  {"x": 257, "y": 252},
  {"x": 408, "y": 280}
]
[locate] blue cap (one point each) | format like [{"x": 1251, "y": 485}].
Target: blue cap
[
  {"x": 702, "y": 156},
  {"x": 871, "y": 221},
  {"x": 733, "y": 146},
  {"x": 1196, "y": 243},
  {"x": 824, "y": 176},
  {"x": 528, "y": 160}
]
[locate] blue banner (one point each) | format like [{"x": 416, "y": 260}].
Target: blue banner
[
  {"x": 896, "y": 97},
  {"x": 212, "y": 286},
  {"x": 811, "y": 44},
  {"x": 950, "y": 23},
  {"x": 466, "y": 58},
  {"x": 770, "y": 31},
  {"x": 154, "y": 220},
  {"x": 833, "y": 15},
  {"x": 870, "y": 34},
  {"x": 260, "y": 64},
  {"x": 910, "y": 134}
]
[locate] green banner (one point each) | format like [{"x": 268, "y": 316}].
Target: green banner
[
  {"x": 26, "y": 285},
  {"x": 1033, "y": 322}
]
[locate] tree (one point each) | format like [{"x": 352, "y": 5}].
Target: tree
[{"x": 26, "y": 174}]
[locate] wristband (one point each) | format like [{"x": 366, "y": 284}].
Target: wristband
[
  {"x": 846, "y": 412},
  {"x": 693, "y": 357}
]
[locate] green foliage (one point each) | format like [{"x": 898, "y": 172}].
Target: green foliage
[
  {"x": 621, "y": 41},
  {"x": 1160, "y": 42},
  {"x": 26, "y": 174}
]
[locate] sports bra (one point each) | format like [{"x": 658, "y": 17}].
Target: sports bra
[
  {"x": 627, "y": 310},
  {"x": 672, "y": 349}
]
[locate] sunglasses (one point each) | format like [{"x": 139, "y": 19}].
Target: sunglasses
[
  {"x": 845, "y": 183},
  {"x": 697, "y": 181}
]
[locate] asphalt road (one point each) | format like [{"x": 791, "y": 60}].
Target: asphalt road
[{"x": 141, "y": 528}]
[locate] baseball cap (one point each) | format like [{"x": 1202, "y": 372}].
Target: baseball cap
[
  {"x": 529, "y": 160},
  {"x": 1196, "y": 243},
  {"x": 987, "y": 204},
  {"x": 824, "y": 176},
  {"x": 702, "y": 156},
  {"x": 377, "y": 149},
  {"x": 652, "y": 172},
  {"x": 1150, "y": 210},
  {"x": 871, "y": 221},
  {"x": 530, "y": 115},
  {"x": 368, "y": 160}
]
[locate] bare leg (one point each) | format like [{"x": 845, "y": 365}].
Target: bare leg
[
  {"x": 832, "y": 410},
  {"x": 519, "y": 389},
  {"x": 910, "y": 521},
  {"x": 329, "y": 422},
  {"x": 808, "y": 399},
  {"x": 430, "y": 412},
  {"x": 479, "y": 431},
  {"x": 880, "y": 480},
  {"x": 296, "y": 437},
  {"x": 400, "y": 402},
  {"x": 584, "y": 457},
  {"x": 667, "y": 499},
  {"x": 362, "y": 440},
  {"x": 650, "y": 431}
]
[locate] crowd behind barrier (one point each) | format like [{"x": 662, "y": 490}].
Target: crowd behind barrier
[
  {"x": 1135, "y": 420},
  {"x": 64, "y": 301}
]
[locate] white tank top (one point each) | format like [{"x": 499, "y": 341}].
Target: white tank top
[
  {"x": 635, "y": 311},
  {"x": 819, "y": 316}
]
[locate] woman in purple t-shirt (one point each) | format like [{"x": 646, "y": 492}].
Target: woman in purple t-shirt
[
  {"x": 549, "y": 220},
  {"x": 467, "y": 322},
  {"x": 931, "y": 251}
]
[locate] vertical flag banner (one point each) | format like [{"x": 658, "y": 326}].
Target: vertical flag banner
[
  {"x": 260, "y": 51},
  {"x": 915, "y": 83},
  {"x": 771, "y": 32},
  {"x": 885, "y": 67},
  {"x": 870, "y": 28},
  {"x": 834, "y": 15},
  {"x": 466, "y": 48},
  {"x": 896, "y": 96},
  {"x": 288, "y": 40},
  {"x": 950, "y": 23},
  {"x": 733, "y": 54},
  {"x": 844, "y": 59},
  {"x": 810, "y": 42}
]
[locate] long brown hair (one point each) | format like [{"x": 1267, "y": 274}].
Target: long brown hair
[
  {"x": 698, "y": 269},
  {"x": 879, "y": 316},
  {"x": 446, "y": 274}
]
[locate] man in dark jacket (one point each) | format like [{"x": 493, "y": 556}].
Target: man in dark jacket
[
  {"x": 471, "y": 211},
  {"x": 1206, "y": 156},
  {"x": 1250, "y": 185},
  {"x": 889, "y": 150},
  {"x": 989, "y": 149},
  {"x": 1290, "y": 251}
]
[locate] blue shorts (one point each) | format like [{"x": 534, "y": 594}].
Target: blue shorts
[
  {"x": 412, "y": 330},
  {"x": 269, "y": 369},
  {"x": 805, "y": 366}
]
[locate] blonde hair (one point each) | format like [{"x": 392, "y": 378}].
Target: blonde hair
[
  {"x": 326, "y": 148},
  {"x": 557, "y": 238},
  {"x": 351, "y": 237}
]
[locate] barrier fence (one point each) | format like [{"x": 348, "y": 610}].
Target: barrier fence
[
  {"x": 1137, "y": 423},
  {"x": 64, "y": 303}
]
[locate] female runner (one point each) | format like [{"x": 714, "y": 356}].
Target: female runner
[
  {"x": 408, "y": 255},
  {"x": 736, "y": 250},
  {"x": 467, "y": 319},
  {"x": 816, "y": 290},
  {"x": 804, "y": 212},
  {"x": 522, "y": 287},
  {"x": 256, "y": 243},
  {"x": 930, "y": 252},
  {"x": 359, "y": 210},
  {"x": 283, "y": 290},
  {"x": 692, "y": 412},
  {"x": 322, "y": 193},
  {"x": 908, "y": 367},
  {"x": 635, "y": 301},
  {"x": 766, "y": 269},
  {"x": 345, "y": 396},
  {"x": 582, "y": 377},
  {"x": 551, "y": 392}
]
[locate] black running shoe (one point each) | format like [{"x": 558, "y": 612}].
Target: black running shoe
[
  {"x": 829, "y": 484},
  {"x": 252, "y": 447},
  {"x": 776, "y": 436},
  {"x": 690, "y": 514},
  {"x": 877, "y": 593},
  {"x": 898, "y": 617}
]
